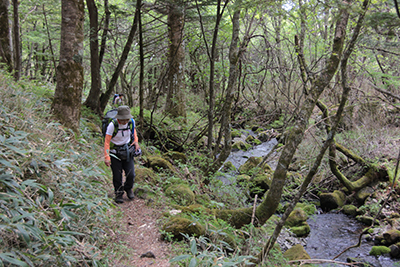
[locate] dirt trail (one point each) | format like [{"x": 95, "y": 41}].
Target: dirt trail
[{"x": 140, "y": 234}]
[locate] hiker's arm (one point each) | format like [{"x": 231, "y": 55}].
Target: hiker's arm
[
  {"x": 135, "y": 139},
  {"x": 107, "y": 159}
]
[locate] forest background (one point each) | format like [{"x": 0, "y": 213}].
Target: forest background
[{"x": 193, "y": 71}]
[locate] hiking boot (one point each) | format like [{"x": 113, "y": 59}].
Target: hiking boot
[
  {"x": 130, "y": 194},
  {"x": 119, "y": 198}
]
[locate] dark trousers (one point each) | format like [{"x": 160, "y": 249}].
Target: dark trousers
[{"x": 117, "y": 166}]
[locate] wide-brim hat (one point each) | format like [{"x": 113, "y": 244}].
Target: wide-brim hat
[{"x": 124, "y": 113}]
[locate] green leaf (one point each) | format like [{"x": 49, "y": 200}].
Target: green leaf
[
  {"x": 193, "y": 262},
  {"x": 193, "y": 247},
  {"x": 8, "y": 257},
  {"x": 23, "y": 233},
  {"x": 180, "y": 258}
]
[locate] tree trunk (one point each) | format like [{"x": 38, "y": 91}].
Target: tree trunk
[
  {"x": 106, "y": 96},
  {"x": 93, "y": 99},
  {"x": 175, "y": 103},
  {"x": 141, "y": 75},
  {"x": 5, "y": 36},
  {"x": 66, "y": 105},
  {"x": 17, "y": 43},
  {"x": 105, "y": 30},
  {"x": 233, "y": 75}
]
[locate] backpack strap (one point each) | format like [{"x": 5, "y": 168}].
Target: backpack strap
[{"x": 131, "y": 126}]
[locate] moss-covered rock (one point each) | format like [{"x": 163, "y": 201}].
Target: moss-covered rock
[
  {"x": 350, "y": 210},
  {"x": 159, "y": 164},
  {"x": 177, "y": 226},
  {"x": 363, "y": 193},
  {"x": 392, "y": 236},
  {"x": 251, "y": 163},
  {"x": 228, "y": 166},
  {"x": 181, "y": 194},
  {"x": 301, "y": 230},
  {"x": 259, "y": 185},
  {"x": 252, "y": 140},
  {"x": 240, "y": 145},
  {"x": 330, "y": 201},
  {"x": 309, "y": 208},
  {"x": 297, "y": 252},
  {"x": 379, "y": 250},
  {"x": 176, "y": 156},
  {"x": 296, "y": 218},
  {"x": 146, "y": 175},
  {"x": 235, "y": 133},
  {"x": 367, "y": 220}
]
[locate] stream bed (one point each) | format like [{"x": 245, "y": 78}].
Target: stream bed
[{"x": 332, "y": 232}]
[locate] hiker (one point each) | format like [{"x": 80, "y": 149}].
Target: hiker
[
  {"x": 118, "y": 100},
  {"x": 120, "y": 146}
]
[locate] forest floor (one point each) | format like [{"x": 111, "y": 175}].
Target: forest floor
[{"x": 139, "y": 233}]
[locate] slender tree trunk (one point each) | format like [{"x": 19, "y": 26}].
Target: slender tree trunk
[
  {"x": 106, "y": 96},
  {"x": 49, "y": 37},
  {"x": 175, "y": 104},
  {"x": 17, "y": 43},
  {"x": 141, "y": 74},
  {"x": 105, "y": 30},
  {"x": 5, "y": 36},
  {"x": 66, "y": 105},
  {"x": 233, "y": 76},
  {"x": 93, "y": 99}
]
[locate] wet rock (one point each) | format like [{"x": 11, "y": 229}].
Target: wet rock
[
  {"x": 350, "y": 210},
  {"x": 251, "y": 163},
  {"x": 240, "y": 145},
  {"x": 392, "y": 236},
  {"x": 302, "y": 230},
  {"x": 330, "y": 201},
  {"x": 296, "y": 218},
  {"x": 367, "y": 220},
  {"x": 297, "y": 252},
  {"x": 363, "y": 193},
  {"x": 395, "y": 251}
]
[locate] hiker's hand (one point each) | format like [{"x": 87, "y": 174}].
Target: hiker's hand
[
  {"x": 107, "y": 162},
  {"x": 136, "y": 144}
]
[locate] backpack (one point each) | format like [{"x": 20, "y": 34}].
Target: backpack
[{"x": 110, "y": 117}]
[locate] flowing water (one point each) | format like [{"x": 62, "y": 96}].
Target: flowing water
[{"x": 330, "y": 233}]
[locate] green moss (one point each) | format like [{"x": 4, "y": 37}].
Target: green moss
[
  {"x": 379, "y": 250},
  {"x": 180, "y": 194},
  {"x": 297, "y": 252},
  {"x": 146, "y": 175},
  {"x": 302, "y": 230},
  {"x": 159, "y": 164},
  {"x": 176, "y": 226}
]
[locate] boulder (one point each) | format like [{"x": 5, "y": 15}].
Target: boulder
[
  {"x": 297, "y": 252},
  {"x": 158, "y": 164},
  {"x": 251, "y": 163},
  {"x": 177, "y": 226},
  {"x": 330, "y": 201},
  {"x": 181, "y": 194}
]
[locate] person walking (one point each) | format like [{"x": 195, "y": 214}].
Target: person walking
[
  {"x": 121, "y": 137},
  {"x": 118, "y": 100}
]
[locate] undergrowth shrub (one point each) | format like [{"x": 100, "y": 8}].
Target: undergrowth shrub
[{"x": 53, "y": 204}]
